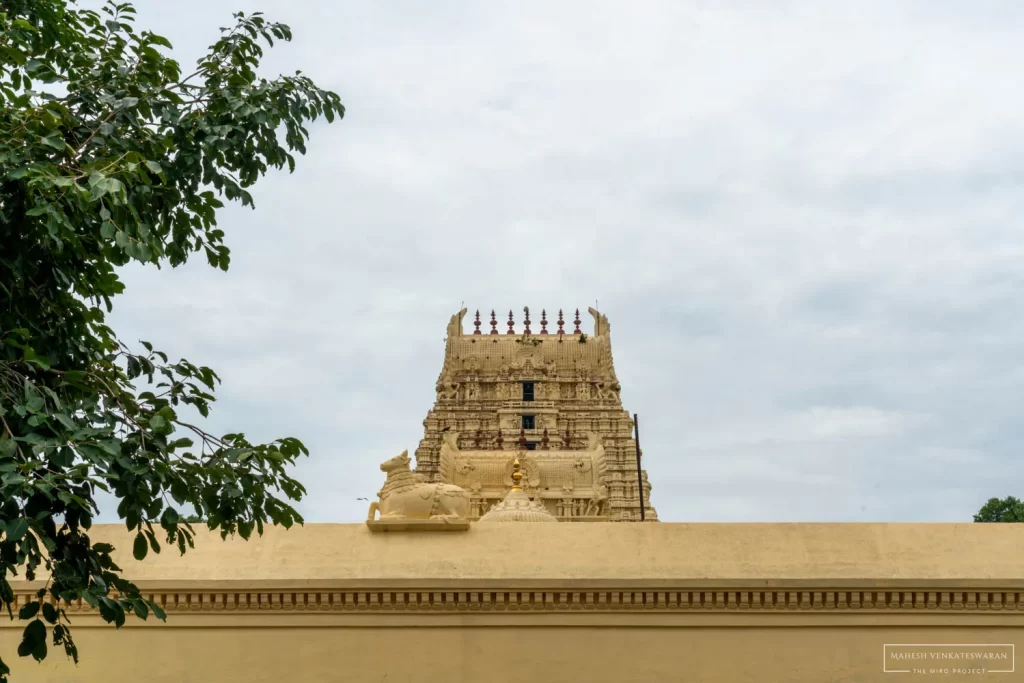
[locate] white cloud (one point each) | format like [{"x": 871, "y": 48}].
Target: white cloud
[{"x": 816, "y": 424}]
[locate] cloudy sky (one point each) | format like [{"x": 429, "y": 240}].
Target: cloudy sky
[{"x": 802, "y": 219}]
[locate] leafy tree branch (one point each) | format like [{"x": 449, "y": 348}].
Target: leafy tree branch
[{"x": 108, "y": 155}]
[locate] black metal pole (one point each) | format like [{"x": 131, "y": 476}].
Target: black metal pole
[{"x": 639, "y": 474}]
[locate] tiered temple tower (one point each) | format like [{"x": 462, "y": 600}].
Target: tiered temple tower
[{"x": 550, "y": 397}]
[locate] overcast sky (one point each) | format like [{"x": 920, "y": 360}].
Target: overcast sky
[{"x": 801, "y": 218}]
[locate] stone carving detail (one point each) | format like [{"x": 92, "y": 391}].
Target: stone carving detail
[
  {"x": 597, "y": 507},
  {"x": 529, "y": 468},
  {"x": 447, "y": 387},
  {"x": 405, "y": 496},
  {"x": 455, "y": 325},
  {"x": 579, "y": 475},
  {"x": 606, "y": 390},
  {"x": 862, "y": 599},
  {"x": 601, "y": 326}
]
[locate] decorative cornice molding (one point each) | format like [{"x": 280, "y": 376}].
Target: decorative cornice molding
[{"x": 558, "y": 601}]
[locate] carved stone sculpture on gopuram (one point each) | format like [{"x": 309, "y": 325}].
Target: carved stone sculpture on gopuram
[
  {"x": 550, "y": 398},
  {"x": 407, "y": 500}
]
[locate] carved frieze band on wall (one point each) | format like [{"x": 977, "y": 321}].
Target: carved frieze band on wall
[{"x": 602, "y": 600}]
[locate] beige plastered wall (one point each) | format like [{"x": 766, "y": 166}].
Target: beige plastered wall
[{"x": 566, "y": 602}]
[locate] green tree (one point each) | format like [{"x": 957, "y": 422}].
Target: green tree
[
  {"x": 108, "y": 154},
  {"x": 1008, "y": 509}
]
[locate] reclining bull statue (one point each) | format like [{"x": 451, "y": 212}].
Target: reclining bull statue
[{"x": 406, "y": 496}]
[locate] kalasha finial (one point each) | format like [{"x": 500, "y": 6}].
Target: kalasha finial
[
  {"x": 560, "y": 322},
  {"x": 526, "y": 322},
  {"x": 543, "y": 321},
  {"x": 577, "y": 321},
  {"x": 522, "y": 439},
  {"x": 544, "y": 440},
  {"x": 517, "y": 475},
  {"x": 511, "y": 323},
  {"x": 494, "y": 323},
  {"x": 498, "y": 441},
  {"x": 476, "y": 323}
]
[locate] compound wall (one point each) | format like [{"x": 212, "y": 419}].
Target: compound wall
[{"x": 567, "y": 602}]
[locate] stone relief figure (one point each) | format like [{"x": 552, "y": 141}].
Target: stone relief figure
[
  {"x": 449, "y": 454},
  {"x": 583, "y": 391},
  {"x": 601, "y": 326},
  {"x": 406, "y": 496},
  {"x": 597, "y": 457},
  {"x": 529, "y": 469},
  {"x": 447, "y": 387},
  {"x": 597, "y": 506},
  {"x": 455, "y": 324}
]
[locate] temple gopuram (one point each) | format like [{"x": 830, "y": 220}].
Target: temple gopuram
[
  {"x": 550, "y": 398},
  {"x": 436, "y": 584}
]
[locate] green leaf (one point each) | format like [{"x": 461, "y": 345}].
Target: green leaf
[
  {"x": 154, "y": 166},
  {"x": 153, "y": 544},
  {"x": 28, "y": 610},
  {"x": 17, "y": 528},
  {"x": 50, "y": 612},
  {"x": 139, "y": 606},
  {"x": 140, "y": 547},
  {"x": 158, "y": 611},
  {"x": 33, "y": 640},
  {"x": 169, "y": 518},
  {"x": 55, "y": 140}
]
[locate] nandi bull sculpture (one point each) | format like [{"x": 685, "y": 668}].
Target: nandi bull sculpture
[{"x": 405, "y": 496}]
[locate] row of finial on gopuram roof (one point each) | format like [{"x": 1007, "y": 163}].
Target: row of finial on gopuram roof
[
  {"x": 483, "y": 443},
  {"x": 526, "y": 323}
]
